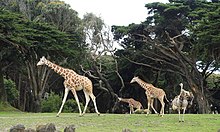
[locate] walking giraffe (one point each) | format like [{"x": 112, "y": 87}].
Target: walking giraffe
[
  {"x": 73, "y": 82},
  {"x": 152, "y": 93},
  {"x": 132, "y": 104}
]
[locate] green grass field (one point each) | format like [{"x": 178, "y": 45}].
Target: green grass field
[{"x": 113, "y": 122}]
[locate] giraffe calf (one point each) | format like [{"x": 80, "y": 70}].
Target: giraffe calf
[{"x": 132, "y": 104}]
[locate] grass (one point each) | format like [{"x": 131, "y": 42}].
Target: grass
[
  {"x": 7, "y": 107},
  {"x": 113, "y": 122}
]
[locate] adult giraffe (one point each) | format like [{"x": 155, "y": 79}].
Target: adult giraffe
[
  {"x": 73, "y": 82},
  {"x": 152, "y": 93}
]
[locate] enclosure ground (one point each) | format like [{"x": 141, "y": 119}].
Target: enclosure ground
[{"x": 113, "y": 122}]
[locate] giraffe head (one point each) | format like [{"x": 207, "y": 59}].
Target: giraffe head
[
  {"x": 42, "y": 61},
  {"x": 134, "y": 79}
]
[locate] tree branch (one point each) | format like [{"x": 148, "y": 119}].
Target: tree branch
[{"x": 155, "y": 68}]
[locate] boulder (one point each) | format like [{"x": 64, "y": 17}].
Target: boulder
[
  {"x": 70, "y": 128},
  {"x": 50, "y": 127},
  {"x": 18, "y": 128}
]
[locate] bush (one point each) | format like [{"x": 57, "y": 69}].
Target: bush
[
  {"x": 53, "y": 103},
  {"x": 12, "y": 92},
  {"x": 71, "y": 106}
]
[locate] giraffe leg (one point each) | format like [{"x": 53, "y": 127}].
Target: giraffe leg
[
  {"x": 152, "y": 105},
  {"x": 131, "y": 109},
  {"x": 148, "y": 108},
  {"x": 162, "y": 107},
  {"x": 148, "y": 105},
  {"x": 64, "y": 100},
  {"x": 87, "y": 101},
  {"x": 94, "y": 102},
  {"x": 77, "y": 101}
]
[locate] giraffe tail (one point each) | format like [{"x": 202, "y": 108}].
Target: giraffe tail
[{"x": 166, "y": 98}]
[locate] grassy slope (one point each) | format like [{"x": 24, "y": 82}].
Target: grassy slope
[
  {"x": 113, "y": 122},
  {"x": 7, "y": 107}
]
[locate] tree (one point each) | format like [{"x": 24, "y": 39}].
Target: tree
[
  {"x": 101, "y": 63},
  {"x": 164, "y": 42},
  {"x": 61, "y": 16},
  {"x": 30, "y": 41}
]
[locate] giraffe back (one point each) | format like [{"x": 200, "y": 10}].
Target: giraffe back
[
  {"x": 135, "y": 104},
  {"x": 78, "y": 82}
]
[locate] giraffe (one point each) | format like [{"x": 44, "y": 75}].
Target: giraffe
[
  {"x": 152, "y": 93},
  {"x": 132, "y": 104},
  {"x": 73, "y": 82}
]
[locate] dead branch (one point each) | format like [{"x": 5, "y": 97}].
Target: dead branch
[{"x": 88, "y": 72}]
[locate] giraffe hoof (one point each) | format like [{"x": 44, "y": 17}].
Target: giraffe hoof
[
  {"x": 57, "y": 115},
  {"x": 80, "y": 115},
  {"x": 99, "y": 114}
]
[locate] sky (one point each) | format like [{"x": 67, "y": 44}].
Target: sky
[{"x": 114, "y": 12}]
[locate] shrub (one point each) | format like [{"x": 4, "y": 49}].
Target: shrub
[
  {"x": 12, "y": 92},
  {"x": 71, "y": 106},
  {"x": 54, "y": 101}
]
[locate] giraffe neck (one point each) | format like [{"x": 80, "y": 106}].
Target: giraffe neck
[
  {"x": 125, "y": 100},
  {"x": 58, "y": 69},
  {"x": 144, "y": 85}
]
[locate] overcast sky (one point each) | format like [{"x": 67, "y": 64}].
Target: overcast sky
[{"x": 114, "y": 12}]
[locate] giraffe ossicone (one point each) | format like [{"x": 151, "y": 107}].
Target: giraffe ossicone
[
  {"x": 72, "y": 82},
  {"x": 152, "y": 93}
]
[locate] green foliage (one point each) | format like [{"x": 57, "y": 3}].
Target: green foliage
[
  {"x": 213, "y": 81},
  {"x": 30, "y": 29},
  {"x": 72, "y": 107},
  {"x": 12, "y": 92},
  {"x": 205, "y": 30},
  {"x": 52, "y": 103}
]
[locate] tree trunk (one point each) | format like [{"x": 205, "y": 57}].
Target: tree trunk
[
  {"x": 38, "y": 78},
  {"x": 113, "y": 96},
  {"x": 3, "y": 95},
  {"x": 200, "y": 98},
  {"x": 35, "y": 88}
]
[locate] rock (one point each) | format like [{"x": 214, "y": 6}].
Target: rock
[
  {"x": 18, "y": 128},
  {"x": 30, "y": 130},
  {"x": 50, "y": 127},
  {"x": 70, "y": 128}
]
